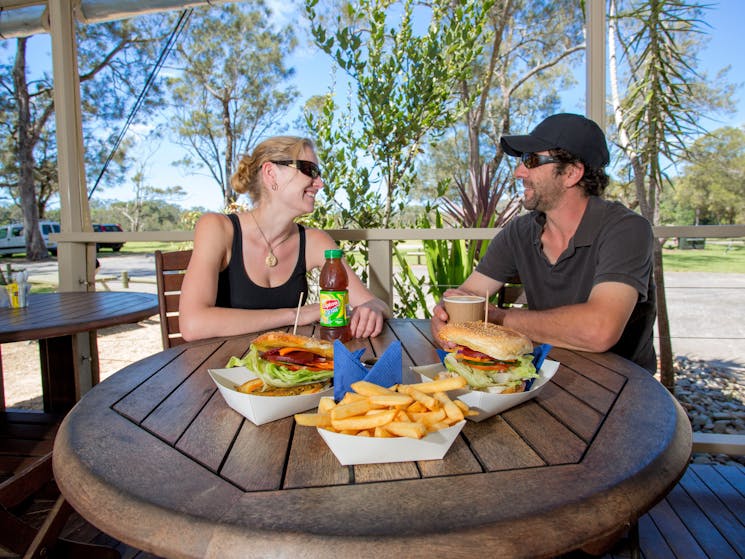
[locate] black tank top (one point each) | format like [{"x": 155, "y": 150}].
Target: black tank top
[{"x": 236, "y": 290}]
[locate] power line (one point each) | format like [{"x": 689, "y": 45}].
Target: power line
[{"x": 165, "y": 51}]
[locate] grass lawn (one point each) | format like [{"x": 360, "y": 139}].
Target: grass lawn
[
  {"x": 718, "y": 256},
  {"x": 150, "y": 247}
]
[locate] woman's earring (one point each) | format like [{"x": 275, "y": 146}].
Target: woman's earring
[{"x": 275, "y": 187}]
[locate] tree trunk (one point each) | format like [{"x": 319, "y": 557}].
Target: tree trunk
[
  {"x": 667, "y": 373},
  {"x": 36, "y": 248},
  {"x": 230, "y": 196}
]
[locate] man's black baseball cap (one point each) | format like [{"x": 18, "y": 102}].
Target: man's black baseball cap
[{"x": 576, "y": 134}]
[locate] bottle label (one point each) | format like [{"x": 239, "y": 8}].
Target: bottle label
[{"x": 334, "y": 308}]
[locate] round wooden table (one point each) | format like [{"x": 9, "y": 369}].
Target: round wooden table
[
  {"x": 154, "y": 457},
  {"x": 54, "y": 319}
]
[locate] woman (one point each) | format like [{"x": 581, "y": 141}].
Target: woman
[{"x": 248, "y": 270}]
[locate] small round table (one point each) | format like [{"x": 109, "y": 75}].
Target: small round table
[{"x": 55, "y": 319}]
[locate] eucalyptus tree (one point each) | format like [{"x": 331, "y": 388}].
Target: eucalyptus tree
[
  {"x": 114, "y": 60},
  {"x": 712, "y": 183},
  {"x": 658, "y": 107},
  {"x": 231, "y": 87}
]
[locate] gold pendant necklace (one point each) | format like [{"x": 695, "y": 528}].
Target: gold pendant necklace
[{"x": 271, "y": 259}]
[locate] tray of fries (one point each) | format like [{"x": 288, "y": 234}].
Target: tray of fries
[
  {"x": 374, "y": 424},
  {"x": 260, "y": 409},
  {"x": 485, "y": 404}
]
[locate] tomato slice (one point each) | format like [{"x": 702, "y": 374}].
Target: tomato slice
[{"x": 492, "y": 367}]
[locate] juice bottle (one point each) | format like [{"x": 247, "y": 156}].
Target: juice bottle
[{"x": 334, "y": 298}]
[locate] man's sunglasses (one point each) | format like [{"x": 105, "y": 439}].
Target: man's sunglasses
[
  {"x": 307, "y": 168},
  {"x": 533, "y": 160}
]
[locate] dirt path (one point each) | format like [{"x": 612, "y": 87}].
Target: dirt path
[{"x": 117, "y": 347}]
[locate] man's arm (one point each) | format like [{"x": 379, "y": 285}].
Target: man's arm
[
  {"x": 595, "y": 325},
  {"x": 475, "y": 284}
]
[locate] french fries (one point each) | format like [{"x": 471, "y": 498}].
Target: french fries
[{"x": 404, "y": 410}]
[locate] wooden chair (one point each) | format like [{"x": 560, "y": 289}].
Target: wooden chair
[
  {"x": 170, "y": 268},
  {"x": 26, "y": 477}
]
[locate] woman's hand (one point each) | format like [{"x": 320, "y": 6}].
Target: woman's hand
[
  {"x": 309, "y": 314},
  {"x": 367, "y": 319}
]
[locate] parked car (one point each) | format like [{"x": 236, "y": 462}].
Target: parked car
[
  {"x": 113, "y": 227},
  {"x": 13, "y": 240}
]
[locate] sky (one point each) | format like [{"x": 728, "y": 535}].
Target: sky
[{"x": 313, "y": 75}]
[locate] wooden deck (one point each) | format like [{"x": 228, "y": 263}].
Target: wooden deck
[{"x": 702, "y": 517}]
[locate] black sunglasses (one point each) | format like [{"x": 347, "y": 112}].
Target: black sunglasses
[
  {"x": 308, "y": 168},
  {"x": 533, "y": 160}
]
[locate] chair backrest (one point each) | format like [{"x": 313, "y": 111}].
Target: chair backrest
[
  {"x": 170, "y": 268},
  {"x": 512, "y": 294}
]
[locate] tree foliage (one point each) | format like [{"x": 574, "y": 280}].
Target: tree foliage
[
  {"x": 402, "y": 92},
  {"x": 113, "y": 61},
  {"x": 231, "y": 87},
  {"x": 712, "y": 185}
]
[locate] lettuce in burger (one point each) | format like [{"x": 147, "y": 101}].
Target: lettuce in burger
[
  {"x": 287, "y": 361},
  {"x": 491, "y": 358}
]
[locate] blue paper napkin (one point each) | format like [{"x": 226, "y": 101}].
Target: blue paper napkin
[
  {"x": 539, "y": 355},
  {"x": 348, "y": 368}
]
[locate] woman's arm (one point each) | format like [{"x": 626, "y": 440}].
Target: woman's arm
[{"x": 199, "y": 318}]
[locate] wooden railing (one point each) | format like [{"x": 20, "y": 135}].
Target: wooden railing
[{"x": 380, "y": 242}]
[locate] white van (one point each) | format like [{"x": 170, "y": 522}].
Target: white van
[{"x": 13, "y": 241}]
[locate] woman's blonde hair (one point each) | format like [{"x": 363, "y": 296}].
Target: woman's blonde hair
[{"x": 246, "y": 178}]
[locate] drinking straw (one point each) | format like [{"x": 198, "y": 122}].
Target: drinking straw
[
  {"x": 297, "y": 314},
  {"x": 486, "y": 307}
]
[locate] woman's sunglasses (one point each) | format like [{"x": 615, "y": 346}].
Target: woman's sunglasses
[
  {"x": 308, "y": 168},
  {"x": 533, "y": 160}
]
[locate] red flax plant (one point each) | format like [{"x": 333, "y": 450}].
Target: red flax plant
[{"x": 481, "y": 205}]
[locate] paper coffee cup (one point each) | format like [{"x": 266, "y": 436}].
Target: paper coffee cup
[{"x": 464, "y": 308}]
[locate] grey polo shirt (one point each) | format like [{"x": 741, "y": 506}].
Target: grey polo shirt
[{"x": 612, "y": 243}]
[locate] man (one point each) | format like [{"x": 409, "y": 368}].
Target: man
[{"x": 585, "y": 263}]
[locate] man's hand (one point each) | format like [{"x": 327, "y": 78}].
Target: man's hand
[{"x": 440, "y": 317}]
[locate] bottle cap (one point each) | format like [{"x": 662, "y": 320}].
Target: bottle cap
[{"x": 334, "y": 253}]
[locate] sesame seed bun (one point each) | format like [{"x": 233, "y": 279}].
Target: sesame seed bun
[{"x": 495, "y": 341}]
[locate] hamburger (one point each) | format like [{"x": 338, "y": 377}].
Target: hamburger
[
  {"x": 287, "y": 365},
  {"x": 491, "y": 358}
]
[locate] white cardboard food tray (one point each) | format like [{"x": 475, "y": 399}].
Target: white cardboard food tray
[
  {"x": 350, "y": 449},
  {"x": 261, "y": 409},
  {"x": 485, "y": 403}
]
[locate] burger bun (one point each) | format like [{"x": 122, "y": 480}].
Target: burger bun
[{"x": 490, "y": 339}]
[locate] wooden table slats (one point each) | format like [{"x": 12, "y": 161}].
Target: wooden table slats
[
  {"x": 257, "y": 458},
  {"x": 308, "y": 448},
  {"x": 550, "y": 438},
  {"x": 488, "y": 441},
  {"x": 582, "y": 419},
  {"x": 144, "y": 398},
  {"x": 210, "y": 435},
  {"x": 53, "y": 314}
]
